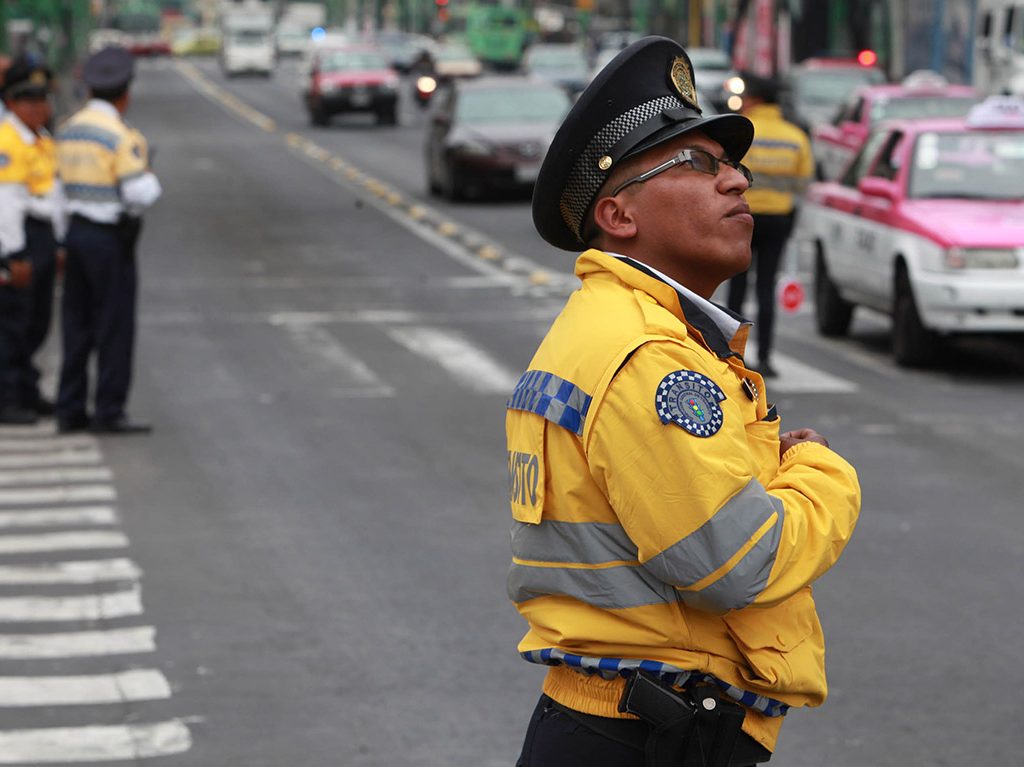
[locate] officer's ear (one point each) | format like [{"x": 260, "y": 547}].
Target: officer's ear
[{"x": 613, "y": 218}]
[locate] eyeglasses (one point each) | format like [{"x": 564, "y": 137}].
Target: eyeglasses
[{"x": 698, "y": 159}]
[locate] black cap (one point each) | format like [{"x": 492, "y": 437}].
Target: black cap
[
  {"x": 26, "y": 78},
  {"x": 755, "y": 86},
  {"x": 643, "y": 97},
  {"x": 109, "y": 69}
]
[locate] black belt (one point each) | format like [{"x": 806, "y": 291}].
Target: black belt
[{"x": 693, "y": 726}]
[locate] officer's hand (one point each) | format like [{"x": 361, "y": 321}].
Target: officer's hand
[
  {"x": 20, "y": 273},
  {"x": 790, "y": 438},
  {"x": 62, "y": 259}
]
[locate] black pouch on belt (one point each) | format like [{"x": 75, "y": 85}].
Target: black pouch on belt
[{"x": 689, "y": 727}]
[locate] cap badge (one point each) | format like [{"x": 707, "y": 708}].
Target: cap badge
[
  {"x": 681, "y": 75},
  {"x": 604, "y": 163},
  {"x": 38, "y": 77}
]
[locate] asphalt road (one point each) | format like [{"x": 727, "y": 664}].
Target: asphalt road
[{"x": 320, "y": 517}]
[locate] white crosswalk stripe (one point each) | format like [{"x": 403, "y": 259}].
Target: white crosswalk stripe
[{"x": 56, "y": 516}]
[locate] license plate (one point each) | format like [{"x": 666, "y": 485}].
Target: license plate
[
  {"x": 526, "y": 173},
  {"x": 360, "y": 98}
]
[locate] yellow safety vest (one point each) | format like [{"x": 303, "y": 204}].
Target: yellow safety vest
[
  {"x": 16, "y": 156},
  {"x": 96, "y": 153},
  {"x": 654, "y": 522},
  {"x": 781, "y": 160}
]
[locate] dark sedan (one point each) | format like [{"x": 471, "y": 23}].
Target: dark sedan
[{"x": 491, "y": 134}]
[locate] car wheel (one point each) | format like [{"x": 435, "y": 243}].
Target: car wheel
[
  {"x": 318, "y": 117},
  {"x": 831, "y": 311},
  {"x": 913, "y": 345}
]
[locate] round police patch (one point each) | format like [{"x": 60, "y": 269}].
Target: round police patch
[
  {"x": 690, "y": 400},
  {"x": 5, "y": 160}
]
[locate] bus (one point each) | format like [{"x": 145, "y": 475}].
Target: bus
[
  {"x": 497, "y": 35},
  {"x": 999, "y": 47}
]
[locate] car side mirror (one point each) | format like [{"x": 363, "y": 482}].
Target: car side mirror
[{"x": 873, "y": 186}]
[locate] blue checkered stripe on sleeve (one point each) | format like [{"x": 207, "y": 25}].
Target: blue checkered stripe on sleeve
[
  {"x": 560, "y": 401},
  {"x": 609, "y": 668}
]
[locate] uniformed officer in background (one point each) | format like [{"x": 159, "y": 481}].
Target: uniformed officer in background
[
  {"x": 665, "y": 534},
  {"x": 103, "y": 162},
  {"x": 31, "y": 203},
  {"x": 783, "y": 164}
]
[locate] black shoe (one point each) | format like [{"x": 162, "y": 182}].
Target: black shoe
[
  {"x": 72, "y": 424},
  {"x": 767, "y": 371},
  {"x": 43, "y": 406},
  {"x": 18, "y": 416},
  {"x": 120, "y": 425}
]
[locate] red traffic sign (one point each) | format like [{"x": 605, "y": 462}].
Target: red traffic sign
[{"x": 791, "y": 294}]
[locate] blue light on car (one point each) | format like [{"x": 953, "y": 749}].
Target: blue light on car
[{"x": 318, "y": 33}]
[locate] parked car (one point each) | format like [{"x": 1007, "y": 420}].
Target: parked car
[
  {"x": 491, "y": 133},
  {"x": 926, "y": 224},
  {"x": 351, "y": 79},
  {"x": 920, "y": 95},
  {"x": 455, "y": 59},
  {"x": 563, "y": 64},
  {"x": 814, "y": 90}
]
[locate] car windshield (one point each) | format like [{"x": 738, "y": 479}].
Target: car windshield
[
  {"x": 246, "y": 37},
  {"x": 921, "y": 106},
  {"x": 968, "y": 165},
  {"x": 558, "y": 60},
  {"x": 342, "y": 61},
  {"x": 832, "y": 86},
  {"x": 535, "y": 104},
  {"x": 453, "y": 53}
]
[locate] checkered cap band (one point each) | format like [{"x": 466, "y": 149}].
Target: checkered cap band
[{"x": 586, "y": 178}]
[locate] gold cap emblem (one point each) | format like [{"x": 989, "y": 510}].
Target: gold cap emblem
[
  {"x": 604, "y": 163},
  {"x": 38, "y": 77},
  {"x": 681, "y": 75}
]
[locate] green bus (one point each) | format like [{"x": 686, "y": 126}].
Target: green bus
[{"x": 497, "y": 35}]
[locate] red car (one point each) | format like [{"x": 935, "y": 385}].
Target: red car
[
  {"x": 351, "y": 79},
  {"x": 920, "y": 95}
]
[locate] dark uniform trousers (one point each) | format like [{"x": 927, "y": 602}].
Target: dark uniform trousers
[
  {"x": 770, "y": 235},
  {"x": 14, "y": 308},
  {"x": 556, "y": 738},
  {"x": 41, "y": 251},
  {"x": 98, "y": 313}
]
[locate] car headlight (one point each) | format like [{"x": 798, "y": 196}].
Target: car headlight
[
  {"x": 983, "y": 258},
  {"x": 472, "y": 147}
]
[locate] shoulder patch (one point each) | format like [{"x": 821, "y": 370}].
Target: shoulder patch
[
  {"x": 5, "y": 159},
  {"x": 690, "y": 399}
]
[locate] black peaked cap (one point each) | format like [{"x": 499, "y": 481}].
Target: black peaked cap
[
  {"x": 109, "y": 69},
  {"x": 26, "y": 77},
  {"x": 643, "y": 97}
]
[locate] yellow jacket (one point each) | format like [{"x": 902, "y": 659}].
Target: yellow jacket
[
  {"x": 27, "y": 176},
  {"x": 781, "y": 160},
  {"x": 653, "y": 519},
  {"x": 96, "y": 153}
]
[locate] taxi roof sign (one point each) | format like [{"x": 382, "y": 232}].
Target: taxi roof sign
[{"x": 997, "y": 112}]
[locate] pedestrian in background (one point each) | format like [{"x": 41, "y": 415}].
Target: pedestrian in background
[
  {"x": 30, "y": 203},
  {"x": 782, "y": 163},
  {"x": 103, "y": 162},
  {"x": 665, "y": 534}
]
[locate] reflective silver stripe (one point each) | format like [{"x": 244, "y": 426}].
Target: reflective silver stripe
[
  {"x": 706, "y": 549},
  {"x": 790, "y": 184},
  {"x": 610, "y": 588},
  {"x": 591, "y": 543}
]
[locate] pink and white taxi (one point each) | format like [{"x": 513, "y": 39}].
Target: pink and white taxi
[
  {"x": 926, "y": 223},
  {"x": 922, "y": 94}
]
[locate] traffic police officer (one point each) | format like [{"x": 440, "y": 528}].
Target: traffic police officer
[
  {"x": 30, "y": 202},
  {"x": 783, "y": 163},
  {"x": 103, "y": 163},
  {"x": 665, "y": 533}
]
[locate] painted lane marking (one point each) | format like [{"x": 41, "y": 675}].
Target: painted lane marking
[
  {"x": 361, "y": 381},
  {"x": 41, "y": 429},
  {"x": 86, "y": 515},
  {"x": 62, "y": 494},
  {"x": 28, "y": 459},
  {"x": 86, "y": 571},
  {"x": 70, "y": 442},
  {"x": 50, "y": 745},
  {"x": 82, "y": 689},
  {"x": 467, "y": 363},
  {"x": 71, "y": 541},
  {"x": 796, "y": 377},
  {"x": 47, "y": 476},
  {"x": 78, "y": 644},
  {"x": 91, "y": 607}
]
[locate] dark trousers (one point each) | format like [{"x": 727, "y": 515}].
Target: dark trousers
[
  {"x": 41, "y": 251},
  {"x": 555, "y": 739},
  {"x": 770, "y": 236},
  {"x": 98, "y": 314},
  {"x": 14, "y": 308}
]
